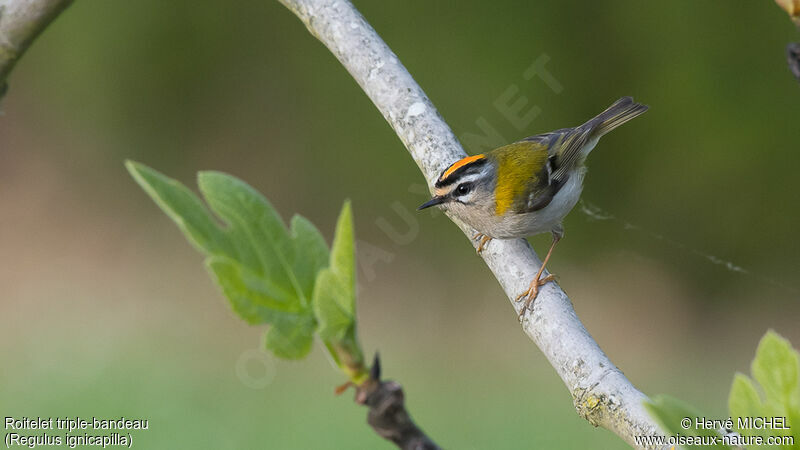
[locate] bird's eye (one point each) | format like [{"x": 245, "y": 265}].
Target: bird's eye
[{"x": 463, "y": 189}]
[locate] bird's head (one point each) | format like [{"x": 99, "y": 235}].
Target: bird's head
[{"x": 466, "y": 187}]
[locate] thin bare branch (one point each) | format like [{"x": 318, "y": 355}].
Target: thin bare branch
[
  {"x": 387, "y": 412},
  {"x": 600, "y": 392},
  {"x": 21, "y": 21}
]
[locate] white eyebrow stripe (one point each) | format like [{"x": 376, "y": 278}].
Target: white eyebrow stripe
[{"x": 469, "y": 178}]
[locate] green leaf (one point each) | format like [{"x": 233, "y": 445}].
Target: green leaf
[
  {"x": 744, "y": 403},
  {"x": 262, "y": 242},
  {"x": 334, "y": 301},
  {"x": 776, "y": 368},
  {"x": 291, "y": 336},
  {"x": 266, "y": 271},
  {"x": 249, "y": 293},
  {"x": 343, "y": 257},
  {"x": 183, "y": 207},
  {"x": 315, "y": 251},
  {"x": 334, "y": 294},
  {"x": 334, "y": 319},
  {"x": 670, "y": 411},
  {"x": 743, "y": 400}
]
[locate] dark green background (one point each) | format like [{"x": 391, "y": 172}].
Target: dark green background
[{"x": 107, "y": 311}]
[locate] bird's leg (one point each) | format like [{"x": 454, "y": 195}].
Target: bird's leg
[
  {"x": 533, "y": 289},
  {"x": 484, "y": 239}
]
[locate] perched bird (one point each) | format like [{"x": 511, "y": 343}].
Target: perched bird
[{"x": 527, "y": 187}]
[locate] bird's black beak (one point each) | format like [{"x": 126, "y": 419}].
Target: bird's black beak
[{"x": 432, "y": 202}]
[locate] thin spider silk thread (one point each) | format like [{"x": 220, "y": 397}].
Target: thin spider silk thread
[{"x": 594, "y": 212}]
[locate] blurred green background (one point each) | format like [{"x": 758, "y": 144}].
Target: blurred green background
[{"x": 107, "y": 311}]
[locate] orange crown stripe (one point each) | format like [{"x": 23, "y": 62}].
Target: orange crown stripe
[{"x": 460, "y": 163}]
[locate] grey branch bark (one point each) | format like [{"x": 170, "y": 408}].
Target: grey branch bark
[
  {"x": 601, "y": 393},
  {"x": 20, "y": 22}
]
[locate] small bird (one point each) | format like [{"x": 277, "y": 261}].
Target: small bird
[{"x": 528, "y": 187}]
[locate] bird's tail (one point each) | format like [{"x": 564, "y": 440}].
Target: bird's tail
[
  {"x": 577, "y": 142},
  {"x": 620, "y": 112}
]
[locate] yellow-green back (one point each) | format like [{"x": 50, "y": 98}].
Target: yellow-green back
[{"x": 517, "y": 166}]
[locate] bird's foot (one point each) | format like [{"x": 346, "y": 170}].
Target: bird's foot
[
  {"x": 532, "y": 292},
  {"x": 484, "y": 239}
]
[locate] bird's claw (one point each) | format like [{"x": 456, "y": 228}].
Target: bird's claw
[
  {"x": 484, "y": 239},
  {"x": 532, "y": 293}
]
